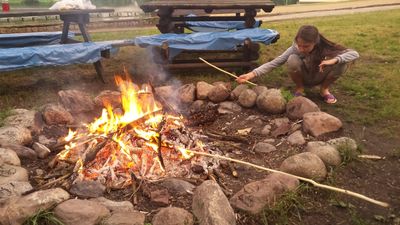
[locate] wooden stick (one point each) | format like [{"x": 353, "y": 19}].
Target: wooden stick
[
  {"x": 224, "y": 71},
  {"x": 54, "y": 181},
  {"x": 226, "y": 137},
  {"x": 354, "y": 194},
  {"x": 370, "y": 157}
]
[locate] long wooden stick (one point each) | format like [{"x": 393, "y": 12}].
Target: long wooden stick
[
  {"x": 224, "y": 71},
  {"x": 354, "y": 194}
]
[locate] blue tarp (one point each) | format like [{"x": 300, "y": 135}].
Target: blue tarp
[
  {"x": 210, "y": 26},
  {"x": 25, "y": 57},
  {"x": 31, "y": 39},
  {"x": 225, "y": 40}
]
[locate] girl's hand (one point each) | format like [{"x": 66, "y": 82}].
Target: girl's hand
[
  {"x": 245, "y": 77},
  {"x": 327, "y": 63}
]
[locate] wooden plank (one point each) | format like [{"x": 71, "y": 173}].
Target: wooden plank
[
  {"x": 46, "y": 12},
  {"x": 267, "y": 6}
]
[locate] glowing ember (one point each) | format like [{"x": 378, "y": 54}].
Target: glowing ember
[{"x": 116, "y": 145}]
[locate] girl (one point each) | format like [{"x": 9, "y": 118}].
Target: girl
[{"x": 311, "y": 60}]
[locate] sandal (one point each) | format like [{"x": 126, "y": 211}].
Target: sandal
[
  {"x": 298, "y": 94},
  {"x": 329, "y": 99}
]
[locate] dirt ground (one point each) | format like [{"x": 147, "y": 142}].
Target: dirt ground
[{"x": 377, "y": 179}]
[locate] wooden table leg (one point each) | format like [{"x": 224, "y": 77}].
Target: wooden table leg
[
  {"x": 81, "y": 20},
  {"x": 99, "y": 70},
  {"x": 249, "y": 15},
  {"x": 64, "y": 35},
  {"x": 165, "y": 24}
]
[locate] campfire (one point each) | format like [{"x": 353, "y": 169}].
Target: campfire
[{"x": 140, "y": 141}]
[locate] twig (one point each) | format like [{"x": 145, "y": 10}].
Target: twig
[
  {"x": 224, "y": 71},
  {"x": 226, "y": 137},
  {"x": 55, "y": 181},
  {"x": 221, "y": 143},
  {"x": 159, "y": 141},
  {"x": 135, "y": 187},
  {"x": 162, "y": 100},
  {"x": 370, "y": 157},
  {"x": 354, "y": 194}
]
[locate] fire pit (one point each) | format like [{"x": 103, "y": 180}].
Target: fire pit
[{"x": 140, "y": 141}]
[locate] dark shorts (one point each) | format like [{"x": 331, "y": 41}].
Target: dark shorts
[{"x": 296, "y": 64}]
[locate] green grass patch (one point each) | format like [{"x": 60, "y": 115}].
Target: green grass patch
[
  {"x": 287, "y": 94},
  {"x": 289, "y": 204},
  {"x": 368, "y": 93},
  {"x": 43, "y": 217},
  {"x": 4, "y": 113},
  {"x": 348, "y": 154},
  {"x": 370, "y": 87}
]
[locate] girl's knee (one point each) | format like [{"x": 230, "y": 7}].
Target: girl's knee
[
  {"x": 338, "y": 70},
  {"x": 294, "y": 63}
]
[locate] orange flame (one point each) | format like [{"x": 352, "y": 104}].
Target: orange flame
[{"x": 133, "y": 138}]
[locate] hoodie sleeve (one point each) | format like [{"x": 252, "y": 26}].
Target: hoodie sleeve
[
  {"x": 278, "y": 61},
  {"x": 348, "y": 56}
]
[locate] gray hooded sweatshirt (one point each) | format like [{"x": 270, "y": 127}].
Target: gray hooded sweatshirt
[{"x": 346, "y": 56}]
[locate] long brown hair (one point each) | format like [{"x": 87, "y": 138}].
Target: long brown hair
[{"x": 323, "y": 48}]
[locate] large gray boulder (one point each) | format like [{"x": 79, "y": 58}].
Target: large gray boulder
[{"x": 210, "y": 205}]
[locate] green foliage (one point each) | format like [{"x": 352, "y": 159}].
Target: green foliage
[
  {"x": 347, "y": 153},
  {"x": 396, "y": 153},
  {"x": 285, "y": 2},
  {"x": 4, "y": 114},
  {"x": 368, "y": 92},
  {"x": 286, "y": 94},
  {"x": 43, "y": 217},
  {"x": 355, "y": 218},
  {"x": 370, "y": 87},
  {"x": 289, "y": 204}
]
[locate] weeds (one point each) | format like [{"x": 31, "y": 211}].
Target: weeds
[
  {"x": 354, "y": 217},
  {"x": 347, "y": 153},
  {"x": 287, "y": 95},
  {"x": 289, "y": 204},
  {"x": 43, "y": 217},
  {"x": 395, "y": 153},
  {"x": 4, "y": 114}
]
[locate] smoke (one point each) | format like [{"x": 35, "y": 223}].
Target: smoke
[{"x": 148, "y": 69}]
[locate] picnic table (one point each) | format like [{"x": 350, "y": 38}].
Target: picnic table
[
  {"x": 172, "y": 13},
  {"x": 80, "y": 17}
]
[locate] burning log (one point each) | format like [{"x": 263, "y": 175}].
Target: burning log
[
  {"x": 92, "y": 153},
  {"x": 159, "y": 142}
]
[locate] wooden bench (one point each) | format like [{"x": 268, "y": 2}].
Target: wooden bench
[
  {"x": 57, "y": 54},
  {"x": 175, "y": 16},
  {"x": 238, "y": 49},
  {"x": 39, "y": 53}
]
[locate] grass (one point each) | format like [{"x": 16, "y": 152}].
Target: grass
[
  {"x": 348, "y": 154},
  {"x": 43, "y": 217},
  {"x": 4, "y": 113},
  {"x": 368, "y": 92},
  {"x": 371, "y": 85},
  {"x": 289, "y": 204}
]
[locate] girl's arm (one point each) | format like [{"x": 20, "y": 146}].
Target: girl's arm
[{"x": 278, "y": 61}]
